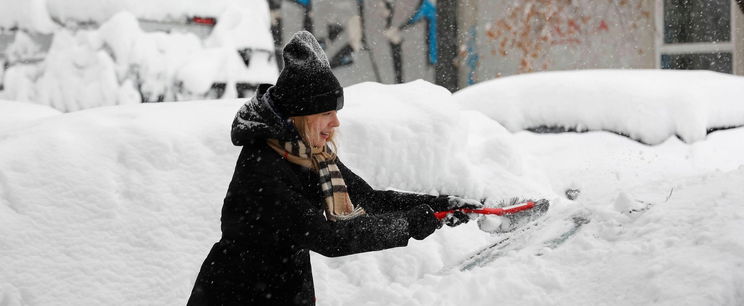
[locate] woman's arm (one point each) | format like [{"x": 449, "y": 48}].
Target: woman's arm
[
  {"x": 385, "y": 201},
  {"x": 308, "y": 227}
]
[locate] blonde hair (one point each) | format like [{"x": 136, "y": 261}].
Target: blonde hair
[{"x": 302, "y": 124}]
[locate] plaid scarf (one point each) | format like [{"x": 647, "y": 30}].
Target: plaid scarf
[{"x": 338, "y": 205}]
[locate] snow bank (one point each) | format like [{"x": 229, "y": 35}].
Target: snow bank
[
  {"x": 120, "y": 205},
  {"x": 79, "y": 74},
  {"x": 647, "y": 105},
  {"x": 451, "y": 152},
  {"x": 601, "y": 164},
  {"x": 31, "y": 15},
  {"x": 673, "y": 254},
  {"x": 18, "y": 113},
  {"x": 112, "y": 205}
]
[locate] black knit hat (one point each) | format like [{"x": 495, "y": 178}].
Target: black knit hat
[{"x": 306, "y": 85}]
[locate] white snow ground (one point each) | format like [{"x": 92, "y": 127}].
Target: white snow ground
[{"x": 119, "y": 205}]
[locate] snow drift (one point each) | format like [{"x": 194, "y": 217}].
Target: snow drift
[
  {"x": 117, "y": 201},
  {"x": 119, "y": 205}
]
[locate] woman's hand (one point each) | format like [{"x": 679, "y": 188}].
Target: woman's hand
[
  {"x": 421, "y": 222},
  {"x": 458, "y": 217}
]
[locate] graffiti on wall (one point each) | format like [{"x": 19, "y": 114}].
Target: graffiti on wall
[
  {"x": 353, "y": 32},
  {"x": 533, "y": 27}
]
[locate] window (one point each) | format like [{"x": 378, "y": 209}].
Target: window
[{"x": 697, "y": 35}]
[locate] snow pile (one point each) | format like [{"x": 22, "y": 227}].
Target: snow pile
[
  {"x": 77, "y": 73},
  {"x": 119, "y": 63},
  {"x": 680, "y": 246},
  {"x": 22, "y": 48},
  {"x": 112, "y": 205},
  {"x": 19, "y": 113},
  {"x": 120, "y": 205},
  {"x": 647, "y": 105},
  {"x": 684, "y": 251},
  {"x": 28, "y": 15},
  {"x": 116, "y": 201},
  {"x": 448, "y": 148},
  {"x": 601, "y": 164},
  {"x": 239, "y": 29}
]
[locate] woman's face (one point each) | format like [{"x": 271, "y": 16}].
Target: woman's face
[{"x": 321, "y": 127}]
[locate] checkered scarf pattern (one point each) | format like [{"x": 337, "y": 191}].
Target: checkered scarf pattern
[{"x": 338, "y": 205}]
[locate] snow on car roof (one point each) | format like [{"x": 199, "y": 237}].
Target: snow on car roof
[{"x": 647, "y": 105}]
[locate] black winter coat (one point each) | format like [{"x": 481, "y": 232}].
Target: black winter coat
[{"x": 273, "y": 216}]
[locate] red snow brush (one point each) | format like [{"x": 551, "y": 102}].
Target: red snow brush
[{"x": 539, "y": 207}]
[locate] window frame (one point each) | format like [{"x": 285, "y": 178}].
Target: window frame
[{"x": 697, "y": 47}]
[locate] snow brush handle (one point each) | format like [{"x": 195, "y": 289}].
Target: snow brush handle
[{"x": 489, "y": 210}]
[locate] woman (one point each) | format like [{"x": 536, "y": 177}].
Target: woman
[{"x": 290, "y": 194}]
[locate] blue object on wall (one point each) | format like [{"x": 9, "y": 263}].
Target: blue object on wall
[
  {"x": 303, "y": 2},
  {"x": 427, "y": 11}
]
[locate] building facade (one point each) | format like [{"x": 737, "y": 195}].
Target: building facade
[
  {"x": 395, "y": 41},
  {"x": 399, "y": 41}
]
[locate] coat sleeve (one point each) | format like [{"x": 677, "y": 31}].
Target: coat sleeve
[
  {"x": 308, "y": 227},
  {"x": 385, "y": 201}
]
